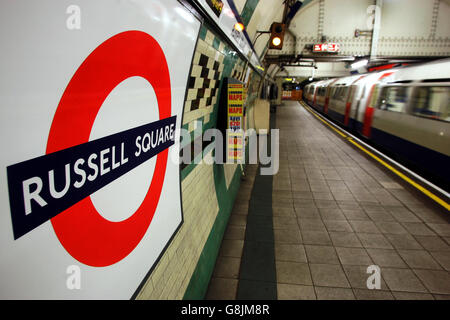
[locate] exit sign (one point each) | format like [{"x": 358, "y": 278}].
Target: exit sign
[{"x": 326, "y": 47}]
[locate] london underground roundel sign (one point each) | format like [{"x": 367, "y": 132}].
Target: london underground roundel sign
[
  {"x": 83, "y": 232},
  {"x": 69, "y": 173}
]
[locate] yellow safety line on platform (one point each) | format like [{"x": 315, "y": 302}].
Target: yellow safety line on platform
[{"x": 398, "y": 173}]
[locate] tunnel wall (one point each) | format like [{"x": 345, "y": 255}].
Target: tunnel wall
[{"x": 208, "y": 191}]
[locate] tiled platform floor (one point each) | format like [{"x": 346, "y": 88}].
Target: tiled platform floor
[{"x": 336, "y": 212}]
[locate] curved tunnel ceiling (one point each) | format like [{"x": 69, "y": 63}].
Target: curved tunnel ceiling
[{"x": 408, "y": 29}]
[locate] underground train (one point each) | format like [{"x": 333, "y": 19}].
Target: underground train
[{"x": 404, "y": 112}]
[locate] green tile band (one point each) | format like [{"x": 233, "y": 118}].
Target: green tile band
[
  {"x": 247, "y": 12},
  {"x": 199, "y": 281}
]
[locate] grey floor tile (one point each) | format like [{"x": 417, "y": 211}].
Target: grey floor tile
[
  {"x": 326, "y": 204},
  {"x": 381, "y": 217},
  {"x": 304, "y": 203},
  {"x": 345, "y": 239},
  {"x": 293, "y": 273},
  {"x": 323, "y": 195},
  {"x": 402, "y": 214},
  {"x": 283, "y": 212},
  {"x": 433, "y": 243},
  {"x": 327, "y": 293},
  {"x": 239, "y": 220},
  {"x": 332, "y": 214},
  {"x": 362, "y": 226},
  {"x": 311, "y": 224},
  {"x": 374, "y": 294},
  {"x": 222, "y": 289},
  {"x": 321, "y": 254},
  {"x": 281, "y": 194},
  {"x": 227, "y": 267},
  {"x": 353, "y": 256},
  {"x": 402, "y": 280},
  {"x": 391, "y": 227},
  {"x": 403, "y": 241},
  {"x": 328, "y": 275},
  {"x": 234, "y": 233},
  {"x": 285, "y": 222},
  {"x": 290, "y": 252},
  {"x": 437, "y": 281},
  {"x": 374, "y": 240},
  {"x": 442, "y": 296},
  {"x": 231, "y": 248},
  {"x": 412, "y": 296},
  {"x": 241, "y": 209},
  {"x": 295, "y": 292},
  {"x": 447, "y": 239},
  {"x": 349, "y": 205},
  {"x": 418, "y": 229},
  {"x": 306, "y": 195},
  {"x": 442, "y": 229},
  {"x": 287, "y": 236},
  {"x": 386, "y": 258},
  {"x": 343, "y": 196},
  {"x": 338, "y": 225},
  {"x": 443, "y": 257},
  {"x": 429, "y": 215},
  {"x": 355, "y": 214},
  {"x": 307, "y": 213},
  {"x": 419, "y": 259},
  {"x": 316, "y": 237},
  {"x": 282, "y": 202}
]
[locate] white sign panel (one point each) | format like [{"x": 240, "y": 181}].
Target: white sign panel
[{"x": 92, "y": 95}]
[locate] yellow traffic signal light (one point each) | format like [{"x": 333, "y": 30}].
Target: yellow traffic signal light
[
  {"x": 277, "y": 35},
  {"x": 276, "y": 41}
]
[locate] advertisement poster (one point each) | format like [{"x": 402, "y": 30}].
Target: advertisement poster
[{"x": 235, "y": 118}]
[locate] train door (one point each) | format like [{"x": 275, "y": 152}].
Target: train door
[
  {"x": 371, "y": 100},
  {"x": 389, "y": 117},
  {"x": 350, "y": 97},
  {"x": 428, "y": 113},
  {"x": 352, "y": 94}
]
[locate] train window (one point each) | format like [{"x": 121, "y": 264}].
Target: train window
[
  {"x": 340, "y": 93},
  {"x": 332, "y": 92},
  {"x": 432, "y": 102},
  {"x": 352, "y": 92},
  {"x": 393, "y": 98},
  {"x": 321, "y": 91}
]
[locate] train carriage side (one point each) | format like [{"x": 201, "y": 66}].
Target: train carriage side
[
  {"x": 322, "y": 95},
  {"x": 309, "y": 92},
  {"x": 339, "y": 99},
  {"x": 361, "y": 109},
  {"x": 411, "y": 119}
]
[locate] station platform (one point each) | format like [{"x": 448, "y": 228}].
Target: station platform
[{"x": 313, "y": 230}]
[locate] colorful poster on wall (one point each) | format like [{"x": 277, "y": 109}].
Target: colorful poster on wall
[{"x": 235, "y": 119}]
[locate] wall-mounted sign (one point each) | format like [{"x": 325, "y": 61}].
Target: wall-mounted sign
[
  {"x": 326, "y": 47},
  {"x": 235, "y": 118},
  {"x": 89, "y": 119},
  {"x": 216, "y": 6}
]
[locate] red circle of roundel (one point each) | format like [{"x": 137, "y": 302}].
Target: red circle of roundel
[{"x": 82, "y": 231}]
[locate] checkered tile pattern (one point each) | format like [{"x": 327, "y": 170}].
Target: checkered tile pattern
[
  {"x": 238, "y": 71},
  {"x": 204, "y": 81}
]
